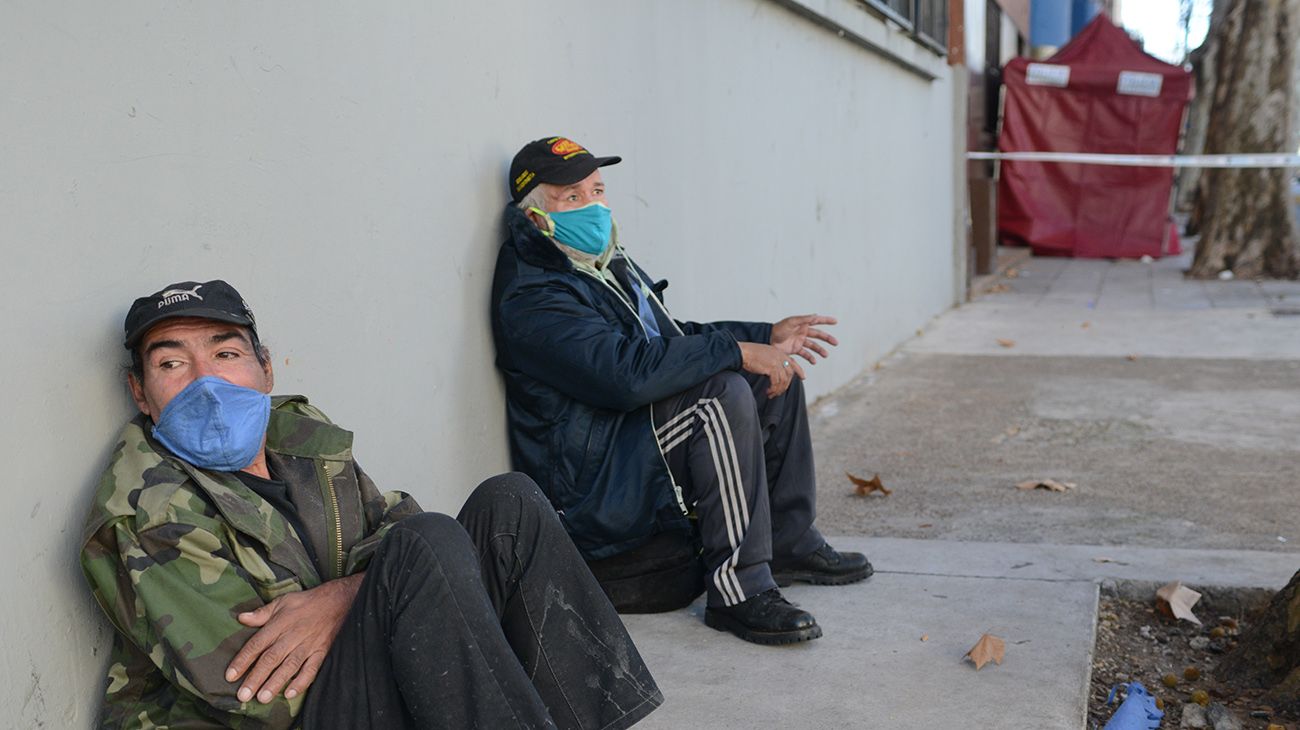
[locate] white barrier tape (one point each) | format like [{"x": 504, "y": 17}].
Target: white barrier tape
[{"x": 1089, "y": 158}]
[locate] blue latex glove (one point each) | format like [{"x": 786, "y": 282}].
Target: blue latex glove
[{"x": 1137, "y": 712}]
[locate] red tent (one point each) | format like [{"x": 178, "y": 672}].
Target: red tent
[{"x": 1100, "y": 93}]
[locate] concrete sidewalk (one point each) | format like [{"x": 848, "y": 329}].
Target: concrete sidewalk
[
  {"x": 873, "y": 668},
  {"x": 1173, "y": 404}
]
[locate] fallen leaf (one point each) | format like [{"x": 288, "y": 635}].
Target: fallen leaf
[
  {"x": 1131, "y": 358},
  {"x": 1007, "y": 433},
  {"x": 925, "y": 637},
  {"x": 989, "y": 647},
  {"x": 1086, "y": 325},
  {"x": 1048, "y": 484},
  {"x": 998, "y": 288},
  {"x": 1012, "y": 273},
  {"x": 863, "y": 487},
  {"x": 1175, "y": 599},
  {"x": 919, "y": 332},
  {"x": 1006, "y": 343},
  {"x": 924, "y": 525}
]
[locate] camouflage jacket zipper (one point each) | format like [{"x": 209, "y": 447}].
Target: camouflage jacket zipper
[{"x": 337, "y": 519}]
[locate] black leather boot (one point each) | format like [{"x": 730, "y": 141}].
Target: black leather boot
[
  {"x": 765, "y": 619},
  {"x": 825, "y": 566}
]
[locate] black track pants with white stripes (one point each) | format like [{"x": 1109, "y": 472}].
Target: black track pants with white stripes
[{"x": 745, "y": 462}]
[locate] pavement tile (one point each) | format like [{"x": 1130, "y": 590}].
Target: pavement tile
[
  {"x": 1225, "y": 294},
  {"x": 871, "y": 668}
]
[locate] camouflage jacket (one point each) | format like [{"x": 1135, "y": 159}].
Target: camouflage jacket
[{"x": 173, "y": 553}]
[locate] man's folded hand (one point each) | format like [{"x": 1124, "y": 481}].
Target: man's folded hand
[
  {"x": 295, "y": 634},
  {"x": 779, "y": 367}
]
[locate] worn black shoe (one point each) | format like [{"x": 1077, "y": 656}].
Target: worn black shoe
[
  {"x": 765, "y": 619},
  {"x": 825, "y": 566}
]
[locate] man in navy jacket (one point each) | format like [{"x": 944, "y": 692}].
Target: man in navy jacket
[{"x": 628, "y": 419}]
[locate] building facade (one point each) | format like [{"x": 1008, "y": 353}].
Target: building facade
[{"x": 343, "y": 165}]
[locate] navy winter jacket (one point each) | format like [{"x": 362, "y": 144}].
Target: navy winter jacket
[{"x": 580, "y": 378}]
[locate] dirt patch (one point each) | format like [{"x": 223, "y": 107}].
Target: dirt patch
[{"x": 1135, "y": 643}]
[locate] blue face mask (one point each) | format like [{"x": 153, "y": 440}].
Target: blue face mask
[
  {"x": 214, "y": 424},
  {"x": 586, "y": 229}
]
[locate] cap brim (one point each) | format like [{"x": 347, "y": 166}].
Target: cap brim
[
  {"x": 579, "y": 170},
  {"x": 133, "y": 339}
]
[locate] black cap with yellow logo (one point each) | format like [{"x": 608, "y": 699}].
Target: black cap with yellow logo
[{"x": 554, "y": 160}]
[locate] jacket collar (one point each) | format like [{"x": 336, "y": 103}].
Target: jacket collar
[
  {"x": 530, "y": 244},
  {"x": 540, "y": 250},
  {"x": 248, "y": 513},
  {"x": 292, "y": 431}
]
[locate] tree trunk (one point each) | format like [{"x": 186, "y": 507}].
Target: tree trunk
[
  {"x": 1203, "y": 60},
  {"x": 1247, "y": 222},
  {"x": 1268, "y": 653}
]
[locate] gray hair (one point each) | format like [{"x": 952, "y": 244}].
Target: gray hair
[{"x": 534, "y": 199}]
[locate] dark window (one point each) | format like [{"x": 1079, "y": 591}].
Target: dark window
[
  {"x": 902, "y": 11},
  {"x": 992, "y": 67},
  {"x": 932, "y": 20},
  {"x": 927, "y": 20}
]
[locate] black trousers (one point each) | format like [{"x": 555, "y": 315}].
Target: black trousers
[
  {"x": 491, "y": 620},
  {"x": 745, "y": 461}
]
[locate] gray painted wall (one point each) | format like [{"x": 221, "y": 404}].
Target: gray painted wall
[{"x": 343, "y": 164}]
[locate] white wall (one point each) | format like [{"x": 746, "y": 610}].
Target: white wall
[
  {"x": 1009, "y": 35},
  {"x": 343, "y": 165}
]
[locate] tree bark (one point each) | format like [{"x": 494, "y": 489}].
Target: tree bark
[
  {"x": 1268, "y": 653},
  {"x": 1203, "y": 60},
  {"x": 1247, "y": 220}
]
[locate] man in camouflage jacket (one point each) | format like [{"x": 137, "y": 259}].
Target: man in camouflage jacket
[
  {"x": 152, "y": 510},
  {"x": 229, "y": 602}
]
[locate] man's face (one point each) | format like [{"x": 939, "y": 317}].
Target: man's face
[
  {"x": 176, "y": 352},
  {"x": 590, "y": 189}
]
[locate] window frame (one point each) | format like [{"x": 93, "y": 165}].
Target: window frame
[{"x": 908, "y": 21}]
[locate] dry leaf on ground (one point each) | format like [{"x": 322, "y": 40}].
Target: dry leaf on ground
[
  {"x": 925, "y": 637},
  {"x": 1131, "y": 358},
  {"x": 1048, "y": 484},
  {"x": 1086, "y": 325},
  {"x": 989, "y": 647},
  {"x": 1012, "y": 273},
  {"x": 1010, "y": 432},
  {"x": 863, "y": 487},
  {"x": 1006, "y": 343},
  {"x": 998, "y": 289},
  {"x": 1176, "y": 600}
]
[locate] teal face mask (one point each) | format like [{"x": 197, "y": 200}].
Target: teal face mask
[{"x": 587, "y": 228}]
